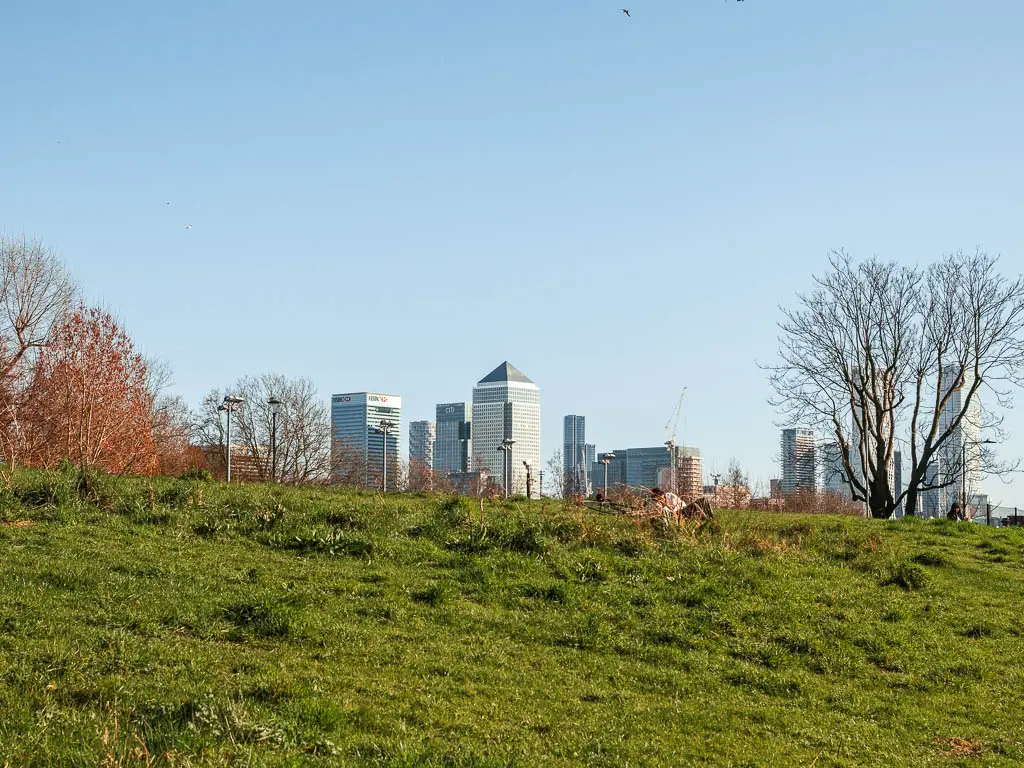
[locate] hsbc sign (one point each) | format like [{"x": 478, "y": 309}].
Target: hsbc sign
[{"x": 367, "y": 398}]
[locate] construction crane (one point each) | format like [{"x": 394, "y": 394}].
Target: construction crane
[
  {"x": 673, "y": 420},
  {"x": 670, "y": 444}
]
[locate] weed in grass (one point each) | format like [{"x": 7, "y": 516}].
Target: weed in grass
[
  {"x": 977, "y": 630},
  {"x": 907, "y": 575},
  {"x": 264, "y": 617},
  {"x": 432, "y": 595},
  {"x": 551, "y": 593},
  {"x": 929, "y": 558}
]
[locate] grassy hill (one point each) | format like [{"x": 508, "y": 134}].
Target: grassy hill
[{"x": 197, "y": 624}]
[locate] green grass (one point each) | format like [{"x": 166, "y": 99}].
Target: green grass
[{"x": 207, "y": 625}]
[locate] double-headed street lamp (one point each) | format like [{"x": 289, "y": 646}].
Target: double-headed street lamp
[
  {"x": 506, "y": 462},
  {"x": 386, "y": 426},
  {"x": 231, "y": 403},
  {"x": 606, "y": 459},
  {"x": 274, "y": 404}
]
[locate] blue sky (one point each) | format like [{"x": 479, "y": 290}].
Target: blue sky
[{"x": 398, "y": 196}]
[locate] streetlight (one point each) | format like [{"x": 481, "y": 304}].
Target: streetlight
[
  {"x": 274, "y": 404},
  {"x": 385, "y": 426},
  {"x": 231, "y": 403},
  {"x": 606, "y": 460},
  {"x": 529, "y": 479},
  {"x": 506, "y": 462},
  {"x": 963, "y": 470}
]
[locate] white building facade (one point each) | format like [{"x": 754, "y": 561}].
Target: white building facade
[
  {"x": 506, "y": 405},
  {"x": 799, "y": 465}
]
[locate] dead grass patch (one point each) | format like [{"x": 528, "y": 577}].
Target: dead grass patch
[{"x": 954, "y": 746}]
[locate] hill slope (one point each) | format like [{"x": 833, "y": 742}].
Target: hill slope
[{"x": 200, "y": 624}]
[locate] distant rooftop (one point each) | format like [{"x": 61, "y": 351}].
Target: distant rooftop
[{"x": 505, "y": 372}]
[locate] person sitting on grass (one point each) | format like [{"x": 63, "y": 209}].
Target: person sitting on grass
[{"x": 669, "y": 504}]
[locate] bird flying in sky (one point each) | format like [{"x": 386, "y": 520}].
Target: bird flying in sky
[
  {"x": 626, "y": 11},
  {"x": 188, "y": 226}
]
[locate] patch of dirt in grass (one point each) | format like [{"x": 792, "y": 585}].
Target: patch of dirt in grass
[
  {"x": 18, "y": 524},
  {"x": 954, "y": 746}
]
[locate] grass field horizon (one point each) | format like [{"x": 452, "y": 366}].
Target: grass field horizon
[{"x": 193, "y": 623}]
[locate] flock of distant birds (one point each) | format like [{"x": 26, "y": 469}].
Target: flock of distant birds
[{"x": 624, "y": 10}]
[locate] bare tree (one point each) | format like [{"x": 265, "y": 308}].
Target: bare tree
[
  {"x": 349, "y": 465},
  {"x": 557, "y": 473},
  {"x": 420, "y": 476},
  {"x": 886, "y": 357},
  {"x": 303, "y": 426},
  {"x": 735, "y": 492},
  {"x": 36, "y": 294}
]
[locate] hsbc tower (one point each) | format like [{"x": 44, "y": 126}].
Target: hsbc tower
[{"x": 357, "y": 448}]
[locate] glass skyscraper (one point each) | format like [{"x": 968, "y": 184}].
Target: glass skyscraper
[
  {"x": 577, "y": 455},
  {"x": 453, "y": 441},
  {"x": 506, "y": 404},
  {"x": 353, "y": 418}
]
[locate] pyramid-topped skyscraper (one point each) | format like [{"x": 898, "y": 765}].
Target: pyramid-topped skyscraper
[{"x": 506, "y": 404}]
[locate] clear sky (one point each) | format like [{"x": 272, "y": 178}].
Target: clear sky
[{"x": 399, "y": 196}]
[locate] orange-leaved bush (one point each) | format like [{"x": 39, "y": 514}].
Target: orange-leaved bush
[{"x": 89, "y": 400}]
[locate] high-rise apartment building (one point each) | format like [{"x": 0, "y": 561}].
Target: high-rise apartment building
[
  {"x": 357, "y": 449},
  {"x": 421, "y": 443},
  {"x": 453, "y": 441},
  {"x": 575, "y": 467},
  {"x": 799, "y": 468},
  {"x": 506, "y": 405}
]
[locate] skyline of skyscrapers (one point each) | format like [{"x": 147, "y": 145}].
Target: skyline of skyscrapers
[
  {"x": 799, "y": 465},
  {"x": 506, "y": 405},
  {"x": 357, "y": 447}
]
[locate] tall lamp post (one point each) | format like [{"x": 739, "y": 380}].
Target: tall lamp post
[
  {"x": 963, "y": 471},
  {"x": 529, "y": 479},
  {"x": 231, "y": 403},
  {"x": 274, "y": 404},
  {"x": 385, "y": 426},
  {"x": 606, "y": 460},
  {"x": 506, "y": 462}
]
